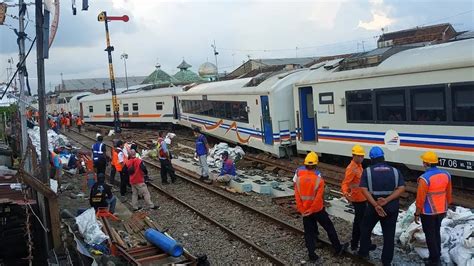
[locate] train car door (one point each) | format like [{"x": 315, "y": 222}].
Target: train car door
[
  {"x": 81, "y": 111},
  {"x": 175, "y": 108},
  {"x": 266, "y": 121},
  {"x": 308, "y": 120}
]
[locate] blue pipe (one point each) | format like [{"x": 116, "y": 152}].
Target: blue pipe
[{"x": 164, "y": 242}]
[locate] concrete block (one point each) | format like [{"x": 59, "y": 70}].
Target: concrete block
[
  {"x": 281, "y": 192},
  {"x": 261, "y": 187},
  {"x": 241, "y": 185}
]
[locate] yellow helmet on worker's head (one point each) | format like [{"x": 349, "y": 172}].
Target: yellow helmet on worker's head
[
  {"x": 311, "y": 159},
  {"x": 429, "y": 157},
  {"x": 358, "y": 150}
]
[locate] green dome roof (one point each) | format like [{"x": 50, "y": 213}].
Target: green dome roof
[
  {"x": 159, "y": 77},
  {"x": 187, "y": 76}
]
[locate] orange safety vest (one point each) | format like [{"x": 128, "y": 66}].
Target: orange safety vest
[
  {"x": 89, "y": 163},
  {"x": 115, "y": 161},
  {"x": 79, "y": 121},
  {"x": 436, "y": 201},
  {"x": 309, "y": 190},
  {"x": 350, "y": 184}
]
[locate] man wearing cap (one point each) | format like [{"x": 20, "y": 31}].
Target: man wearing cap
[
  {"x": 227, "y": 171},
  {"x": 309, "y": 196},
  {"x": 381, "y": 185},
  {"x": 99, "y": 155},
  {"x": 202, "y": 150},
  {"x": 433, "y": 196},
  {"x": 352, "y": 192},
  {"x": 138, "y": 174}
]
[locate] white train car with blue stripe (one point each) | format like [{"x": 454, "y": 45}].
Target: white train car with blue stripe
[
  {"x": 255, "y": 112},
  {"x": 415, "y": 100}
]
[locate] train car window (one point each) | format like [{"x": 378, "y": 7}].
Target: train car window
[
  {"x": 125, "y": 107},
  {"x": 428, "y": 104},
  {"x": 391, "y": 106},
  {"x": 107, "y": 107},
  {"x": 219, "y": 109},
  {"x": 134, "y": 106},
  {"x": 326, "y": 98},
  {"x": 463, "y": 103},
  {"x": 91, "y": 109},
  {"x": 359, "y": 106},
  {"x": 309, "y": 107},
  {"x": 159, "y": 106}
]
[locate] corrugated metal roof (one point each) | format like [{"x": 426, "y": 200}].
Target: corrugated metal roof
[
  {"x": 100, "y": 83},
  {"x": 9, "y": 195},
  {"x": 286, "y": 61}
]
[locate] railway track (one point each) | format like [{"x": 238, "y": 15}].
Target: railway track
[
  {"x": 247, "y": 224},
  {"x": 335, "y": 174}
]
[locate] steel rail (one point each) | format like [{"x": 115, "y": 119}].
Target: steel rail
[{"x": 183, "y": 173}]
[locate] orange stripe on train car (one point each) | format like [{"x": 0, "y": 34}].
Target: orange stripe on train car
[{"x": 139, "y": 116}]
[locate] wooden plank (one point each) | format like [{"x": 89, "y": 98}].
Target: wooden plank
[
  {"x": 55, "y": 223},
  {"x": 38, "y": 186},
  {"x": 128, "y": 228}
]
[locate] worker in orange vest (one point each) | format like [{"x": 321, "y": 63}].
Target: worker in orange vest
[
  {"x": 90, "y": 174},
  {"x": 433, "y": 196},
  {"x": 79, "y": 123},
  {"x": 351, "y": 191},
  {"x": 115, "y": 165},
  {"x": 309, "y": 196}
]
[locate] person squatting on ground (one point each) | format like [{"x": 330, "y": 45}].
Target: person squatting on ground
[
  {"x": 382, "y": 186},
  {"x": 99, "y": 155},
  {"x": 101, "y": 195},
  {"x": 352, "y": 192},
  {"x": 433, "y": 196},
  {"x": 165, "y": 160},
  {"x": 227, "y": 171},
  {"x": 309, "y": 196},
  {"x": 202, "y": 150},
  {"x": 138, "y": 173}
]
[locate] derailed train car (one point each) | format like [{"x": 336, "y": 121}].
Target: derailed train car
[{"x": 416, "y": 100}]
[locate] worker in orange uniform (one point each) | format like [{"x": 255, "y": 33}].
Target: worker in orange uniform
[
  {"x": 115, "y": 165},
  {"x": 309, "y": 196},
  {"x": 79, "y": 123},
  {"x": 432, "y": 198},
  {"x": 352, "y": 192}
]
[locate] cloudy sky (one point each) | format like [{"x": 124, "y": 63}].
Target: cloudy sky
[{"x": 166, "y": 31}]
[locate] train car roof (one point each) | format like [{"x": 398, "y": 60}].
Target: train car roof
[
  {"x": 428, "y": 58},
  {"x": 270, "y": 82},
  {"x": 138, "y": 91}
]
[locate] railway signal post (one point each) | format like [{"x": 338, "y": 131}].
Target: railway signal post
[{"x": 104, "y": 18}]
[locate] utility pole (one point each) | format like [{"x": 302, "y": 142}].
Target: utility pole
[
  {"x": 42, "y": 117},
  {"x": 124, "y": 56},
  {"x": 104, "y": 18},
  {"x": 21, "y": 76},
  {"x": 215, "y": 57}
]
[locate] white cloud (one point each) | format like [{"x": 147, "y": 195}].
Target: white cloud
[
  {"x": 324, "y": 13},
  {"x": 380, "y": 17}
]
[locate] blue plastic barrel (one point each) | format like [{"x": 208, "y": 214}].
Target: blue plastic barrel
[{"x": 164, "y": 242}]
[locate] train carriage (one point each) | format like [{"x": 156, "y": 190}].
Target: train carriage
[
  {"x": 138, "y": 106},
  {"x": 255, "y": 112},
  {"x": 416, "y": 100}
]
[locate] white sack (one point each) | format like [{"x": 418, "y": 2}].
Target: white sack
[{"x": 90, "y": 228}]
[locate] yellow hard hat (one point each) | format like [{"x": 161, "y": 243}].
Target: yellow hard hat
[
  {"x": 311, "y": 159},
  {"x": 358, "y": 150},
  {"x": 429, "y": 157}
]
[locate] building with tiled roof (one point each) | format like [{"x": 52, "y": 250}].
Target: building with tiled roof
[
  {"x": 159, "y": 77},
  {"x": 185, "y": 76}
]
